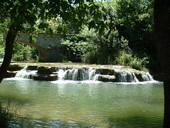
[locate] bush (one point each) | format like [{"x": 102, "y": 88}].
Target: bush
[
  {"x": 136, "y": 17},
  {"x": 5, "y": 116},
  {"x": 23, "y": 52},
  {"x": 127, "y": 59},
  {"x": 88, "y": 46},
  {"x": 77, "y": 46}
]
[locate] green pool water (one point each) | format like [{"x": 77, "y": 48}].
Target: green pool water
[{"x": 68, "y": 104}]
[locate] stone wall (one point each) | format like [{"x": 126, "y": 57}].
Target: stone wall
[{"x": 49, "y": 47}]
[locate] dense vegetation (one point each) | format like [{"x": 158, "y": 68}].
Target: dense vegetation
[{"x": 127, "y": 40}]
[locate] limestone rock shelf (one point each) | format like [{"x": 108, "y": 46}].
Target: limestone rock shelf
[{"x": 78, "y": 72}]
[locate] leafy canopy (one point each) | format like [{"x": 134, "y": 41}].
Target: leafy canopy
[{"x": 28, "y": 15}]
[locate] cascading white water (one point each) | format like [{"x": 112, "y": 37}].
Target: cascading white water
[
  {"x": 126, "y": 77},
  {"x": 131, "y": 77},
  {"x": 149, "y": 76},
  {"x": 23, "y": 73},
  {"x": 121, "y": 76},
  {"x": 77, "y": 74},
  {"x": 136, "y": 80},
  {"x": 146, "y": 77},
  {"x": 92, "y": 74},
  {"x": 61, "y": 74}
]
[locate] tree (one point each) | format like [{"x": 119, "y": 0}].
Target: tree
[
  {"x": 136, "y": 25},
  {"x": 162, "y": 39},
  {"x": 25, "y": 15},
  {"x": 136, "y": 17},
  {"x": 87, "y": 45}
]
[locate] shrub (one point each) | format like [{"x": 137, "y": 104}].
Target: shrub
[
  {"x": 128, "y": 59},
  {"x": 23, "y": 52},
  {"x": 5, "y": 116}
]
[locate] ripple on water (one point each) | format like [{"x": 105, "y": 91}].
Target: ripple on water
[{"x": 86, "y": 104}]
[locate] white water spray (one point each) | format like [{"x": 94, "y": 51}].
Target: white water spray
[
  {"x": 23, "y": 73},
  {"x": 90, "y": 74}
]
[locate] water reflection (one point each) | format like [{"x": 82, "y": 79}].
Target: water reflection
[
  {"x": 85, "y": 104},
  {"x": 135, "y": 122}
]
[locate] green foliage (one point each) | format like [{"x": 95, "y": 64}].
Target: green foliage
[
  {"x": 23, "y": 52},
  {"x": 92, "y": 47},
  {"x": 128, "y": 59},
  {"x": 122, "y": 25},
  {"x": 79, "y": 44},
  {"x": 1, "y": 46},
  {"x": 1, "y": 52},
  {"x": 5, "y": 116},
  {"x": 37, "y": 14},
  {"x": 136, "y": 25}
]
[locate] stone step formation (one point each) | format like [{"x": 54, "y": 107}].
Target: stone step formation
[{"x": 79, "y": 73}]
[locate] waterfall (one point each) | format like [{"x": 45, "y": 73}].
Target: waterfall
[
  {"x": 136, "y": 80},
  {"x": 121, "y": 76},
  {"x": 77, "y": 74},
  {"x": 126, "y": 77},
  {"x": 130, "y": 77},
  {"x": 146, "y": 76},
  {"x": 149, "y": 76},
  {"x": 61, "y": 74},
  {"x": 91, "y": 74},
  {"x": 23, "y": 73}
]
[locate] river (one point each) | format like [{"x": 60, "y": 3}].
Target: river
[{"x": 92, "y": 104}]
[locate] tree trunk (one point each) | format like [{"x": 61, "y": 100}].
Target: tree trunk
[
  {"x": 162, "y": 39},
  {"x": 12, "y": 32}
]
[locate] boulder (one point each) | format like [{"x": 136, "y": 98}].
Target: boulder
[
  {"x": 106, "y": 71},
  {"x": 15, "y": 67},
  {"x": 32, "y": 67},
  {"x": 10, "y": 74},
  {"x": 107, "y": 78},
  {"x": 46, "y": 70},
  {"x": 142, "y": 76},
  {"x": 139, "y": 76},
  {"x": 44, "y": 77}
]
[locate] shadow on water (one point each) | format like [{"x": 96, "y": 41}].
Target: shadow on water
[
  {"x": 145, "y": 112},
  {"x": 9, "y": 117},
  {"x": 135, "y": 122},
  {"x": 30, "y": 123},
  {"x": 129, "y": 122},
  {"x": 14, "y": 99}
]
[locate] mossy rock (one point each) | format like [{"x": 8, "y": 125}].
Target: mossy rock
[
  {"x": 107, "y": 78},
  {"x": 45, "y": 77},
  {"x": 32, "y": 67},
  {"x": 15, "y": 67},
  {"x": 10, "y": 74},
  {"x": 106, "y": 71},
  {"x": 46, "y": 70}
]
